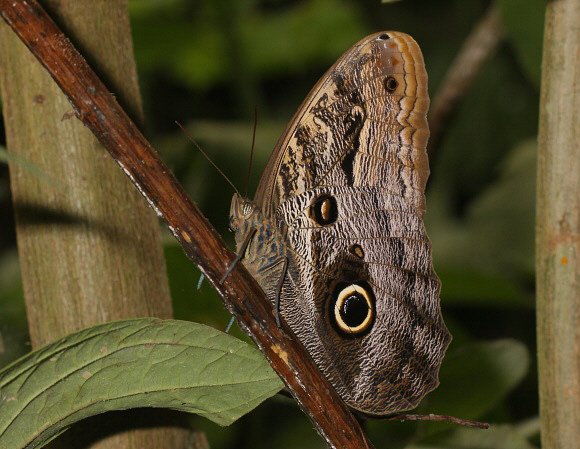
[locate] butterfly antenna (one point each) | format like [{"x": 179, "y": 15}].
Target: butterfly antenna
[
  {"x": 252, "y": 151},
  {"x": 207, "y": 157}
]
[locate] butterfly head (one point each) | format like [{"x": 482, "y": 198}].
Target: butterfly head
[
  {"x": 241, "y": 210},
  {"x": 243, "y": 215}
]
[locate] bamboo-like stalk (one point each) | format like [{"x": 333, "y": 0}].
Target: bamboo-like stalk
[
  {"x": 89, "y": 247},
  {"x": 558, "y": 229}
]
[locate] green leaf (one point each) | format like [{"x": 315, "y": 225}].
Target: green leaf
[
  {"x": 227, "y": 41},
  {"x": 505, "y": 212},
  {"x": 486, "y": 258},
  {"x": 477, "y": 376},
  {"x": 524, "y": 23},
  {"x": 313, "y": 33},
  {"x": 136, "y": 363}
]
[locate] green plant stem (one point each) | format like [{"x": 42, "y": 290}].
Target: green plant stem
[{"x": 558, "y": 229}]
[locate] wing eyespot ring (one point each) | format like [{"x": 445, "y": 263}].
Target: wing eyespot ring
[
  {"x": 390, "y": 84},
  {"x": 352, "y": 309}
]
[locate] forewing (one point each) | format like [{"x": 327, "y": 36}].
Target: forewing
[{"x": 363, "y": 124}]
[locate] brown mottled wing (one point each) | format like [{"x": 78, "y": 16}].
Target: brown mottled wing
[
  {"x": 359, "y": 141},
  {"x": 399, "y": 118}
]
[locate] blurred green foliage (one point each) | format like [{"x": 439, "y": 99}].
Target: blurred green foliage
[{"x": 209, "y": 63}]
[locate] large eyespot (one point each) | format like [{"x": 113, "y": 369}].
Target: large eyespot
[
  {"x": 390, "y": 84},
  {"x": 352, "y": 310},
  {"x": 384, "y": 37},
  {"x": 323, "y": 210}
]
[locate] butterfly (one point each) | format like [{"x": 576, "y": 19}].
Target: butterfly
[{"x": 335, "y": 234}]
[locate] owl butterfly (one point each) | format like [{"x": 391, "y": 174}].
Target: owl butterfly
[{"x": 335, "y": 235}]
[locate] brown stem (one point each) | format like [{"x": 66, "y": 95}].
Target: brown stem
[
  {"x": 478, "y": 46},
  {"x": 97, "y": 109},
  {"x": 440, "y": 418}
]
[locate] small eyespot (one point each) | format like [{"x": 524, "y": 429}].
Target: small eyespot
[
  {"x": 390, "y": 84},
  {"x": 353, "y": 309},
  {"x": 323, "y": 210},
  {"x": 384, "y": 37},
  {"x": 357, "y": 250}
]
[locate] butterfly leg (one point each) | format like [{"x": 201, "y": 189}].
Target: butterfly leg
[
  {"x": 230, "y": 324},
  {"x": 240, "y": 255},
  {"x": 201, "y": 278},
  {"x": 279, "y": 290}
]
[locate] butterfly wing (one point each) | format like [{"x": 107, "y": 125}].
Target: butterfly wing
[
  {"x": 345, "y": 187},
  {"x": 380, "y": 83}
]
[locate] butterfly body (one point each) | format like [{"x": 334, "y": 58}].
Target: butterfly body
[{"x": 335, "y": 234}]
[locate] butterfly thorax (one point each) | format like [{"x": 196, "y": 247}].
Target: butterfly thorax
[{"x": 265, "y": 251}]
